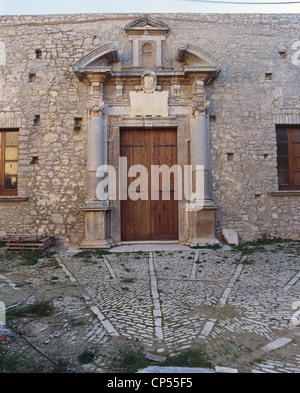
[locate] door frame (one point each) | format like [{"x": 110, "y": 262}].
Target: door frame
[
  {"x": 115, "y": 123},
  {"x": 143, "y": 129}
]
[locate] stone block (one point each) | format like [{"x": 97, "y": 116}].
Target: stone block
[
  {"x": 230, "y": 236},
  {"x": 148, "y": 104},
  {"x": 225, "y": 370}
]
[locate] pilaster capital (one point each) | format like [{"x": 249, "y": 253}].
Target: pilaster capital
[
  {"x": 96, "y": 109},
  {"x": 200, "y": 107},
  {"x": 96, "y": 78}
]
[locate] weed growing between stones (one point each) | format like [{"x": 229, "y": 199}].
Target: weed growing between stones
[
  {"x": 215, "y": 246},
  {"x": 40, "y": 308},
  {"x": 128, "y": 280},
  {"x": 13, "y": 362},
  {"x": 31, "y": 257},
  {"x": 88, "y": 255},
  {"x": 258, "y": 245},
  {"x": 194, "y": 357},
  {"x": 86, "y": 357},
  {"x": 127, "y": 356}
]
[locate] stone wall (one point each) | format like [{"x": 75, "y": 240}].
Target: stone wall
[{"x": 245, "y": 107}]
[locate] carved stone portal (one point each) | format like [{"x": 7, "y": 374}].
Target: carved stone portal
[{"x": 184, "y": 78}]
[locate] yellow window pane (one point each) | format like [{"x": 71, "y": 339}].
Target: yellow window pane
[
  {"x": 11, "y": 138},
  {"x": 11, "y": 153},
  {"x": 11, "y": 168}
]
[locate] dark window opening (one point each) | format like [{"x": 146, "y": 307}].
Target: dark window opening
[
  {"x": 37, "y": 120},
  {"x": 32, "y": 77},
  {"x": 268, "y": 76},
  {"x": 38, "y": 53}
]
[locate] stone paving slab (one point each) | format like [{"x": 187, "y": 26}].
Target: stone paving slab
[{"x": 173, "y": 300}]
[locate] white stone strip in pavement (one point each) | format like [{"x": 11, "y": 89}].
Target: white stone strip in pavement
[
  {"x": 106, "y": 324},
  {"x": 280, "y": 342},
  {"x": 292, "y": 282},
  {"x": 66, "y": 271},
  {"x": 194, "y": 268},
  {"x": 230, "y": 285},
  {"x": 9, "y": 282},
  {"x": 110, "y": 269},
  {"x": 208, "y": 327},
  {"x": 157, "y": 314}
]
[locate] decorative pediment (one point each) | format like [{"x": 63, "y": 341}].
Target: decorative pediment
[
  {"x": 186, "y": 48},
  {"x": 147, "y": 24},
  {"x": 98, "y": 58},
  {"x": 149, "y": 53},
  {"x": 196, "y": 59}
]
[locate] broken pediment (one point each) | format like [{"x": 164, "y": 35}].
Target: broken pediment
[
  {"x": 193, "y": 55},
  {"x": 148, "y": 52},
  {"x": 196, "y": 60},
  {"x": 99, "y": 57}
]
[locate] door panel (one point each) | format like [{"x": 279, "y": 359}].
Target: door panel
[{"x": 150, "y": 219}]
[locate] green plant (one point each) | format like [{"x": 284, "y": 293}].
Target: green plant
[
  {"x": 128, "y": 280},
  {"x": 215, "y": 246},
  {"x": 31, "y": 257},
  {"x": 11, "y": 363},
  {"x": 86, "y": 255},
  {"x": 40, "y": 308},
  {"x": 257, "y": 245},
  {"x": 128, "y": 356},
  {"x": 86, "y": 357},
  {"x": 61, "y": 366},
  {"x": 196, "y": 357}
]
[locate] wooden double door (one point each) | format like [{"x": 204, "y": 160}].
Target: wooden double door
[{"x": 151, "y": 218}]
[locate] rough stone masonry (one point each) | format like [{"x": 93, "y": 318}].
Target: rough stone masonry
[{"x": 251, "y": 85}]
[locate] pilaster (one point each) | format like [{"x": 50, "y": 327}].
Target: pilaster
[
  {"x": 201, "y": 208},
  {"x": 97, "y": 212}
]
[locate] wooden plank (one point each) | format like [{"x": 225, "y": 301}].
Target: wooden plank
[{"x": 28, "y": 241}]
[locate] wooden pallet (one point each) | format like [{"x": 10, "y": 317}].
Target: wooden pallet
[{"x": 16, "y": 241}]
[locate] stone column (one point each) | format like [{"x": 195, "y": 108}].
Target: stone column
[
  {"x": 201, "y": 208},
  {"x": 97, "y": 212},
  {"x": 200, "y": 152},
  {"x": 96, "y": 149}
]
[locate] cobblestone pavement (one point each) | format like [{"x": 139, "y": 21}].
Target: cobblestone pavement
[{"x": 242, "y": 306}]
